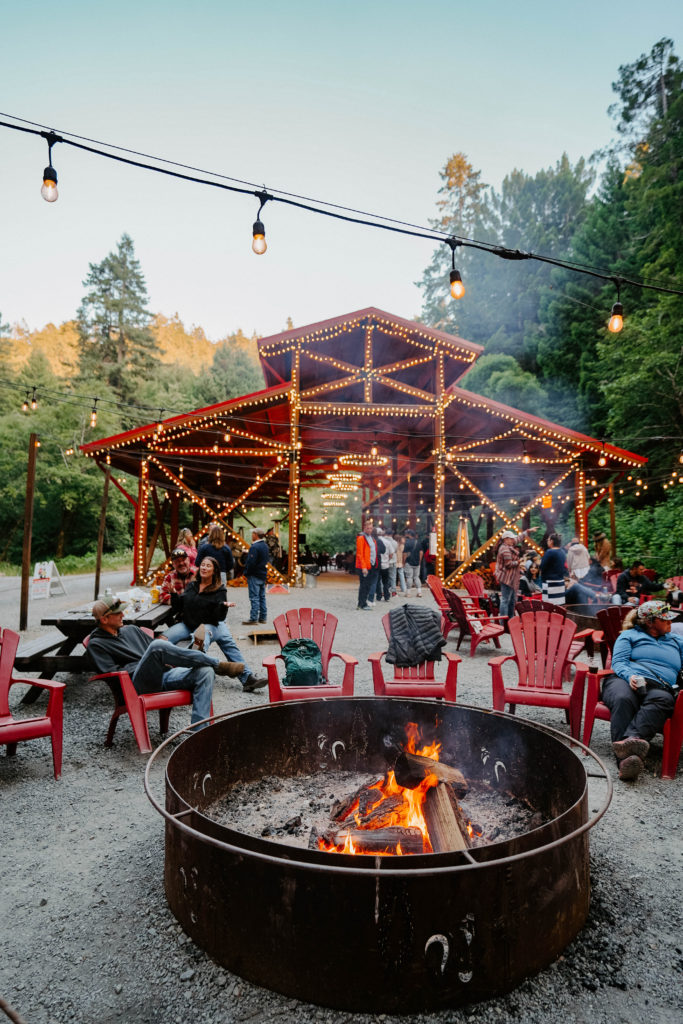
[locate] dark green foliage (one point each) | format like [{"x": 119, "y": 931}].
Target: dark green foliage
[
  {"x": 232, "y": 373},
  {"x": 651, "y": 533},
  {"x": 117, "y": 346}
]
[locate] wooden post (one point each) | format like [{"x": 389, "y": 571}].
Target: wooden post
[
  {"x": 294, "y": 464},
  {"x": 28, "y": 530},
  {"x": 580, "y": 514},
  {"x": 100, "y": 532},
  {"x": 612, "y": 521},
  {"x": 439, "y": 469}
]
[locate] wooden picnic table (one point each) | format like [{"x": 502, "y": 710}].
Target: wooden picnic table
[{"x": 61, "y": 650}]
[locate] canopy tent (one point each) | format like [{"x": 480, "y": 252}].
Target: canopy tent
[{"x": 366, "y": 400}]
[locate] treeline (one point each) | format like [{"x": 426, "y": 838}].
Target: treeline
[
  {"x": 547, "y": 349},
  {"x": 114, "y": 367}
]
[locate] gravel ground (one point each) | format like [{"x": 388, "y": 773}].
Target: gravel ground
[{"x": 88, "y": 937}]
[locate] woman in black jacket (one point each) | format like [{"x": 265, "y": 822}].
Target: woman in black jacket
[{"x": 202, "y": 609}]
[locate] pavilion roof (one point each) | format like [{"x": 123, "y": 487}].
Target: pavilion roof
[{"x": 361, "y": 381}]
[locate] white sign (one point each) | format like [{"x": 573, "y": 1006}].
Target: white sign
[{"x": 45, "y": 577}]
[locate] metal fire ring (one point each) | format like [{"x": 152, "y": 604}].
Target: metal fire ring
[{"x": 379, "y": 868}]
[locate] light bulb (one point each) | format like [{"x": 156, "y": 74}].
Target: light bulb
[
  {"x": 49, "y": 188},
  {"x": 259, "y": 244},
  {"x": 602, "y": 461},
  {"x": 457, "y": 287},
  {"x": 616, "y": 321}
]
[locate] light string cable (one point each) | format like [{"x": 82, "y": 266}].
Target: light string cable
[{"x": 334, "y": 210}]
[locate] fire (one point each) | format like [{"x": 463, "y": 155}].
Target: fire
[{"x": 407, "y": 814}]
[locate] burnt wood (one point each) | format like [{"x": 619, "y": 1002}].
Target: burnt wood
[
  {"x": 380, "y": 840},
  {"x": 445, "y": 821},
  {"x": 412, "y": 769}
]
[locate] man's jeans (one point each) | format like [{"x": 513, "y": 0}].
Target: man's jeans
[
  {"x": 412, "y": 576},
  {"x": 401, "y": 576},
  {"x": 367, "y": 586},
  {"x": 507, "y": 600},
  {"x": 257, "y": 597},
  {"x": 165, "y": 667},
  {"x": 219, "y": 634}
]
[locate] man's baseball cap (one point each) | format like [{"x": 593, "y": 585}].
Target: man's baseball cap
[
  {"x": 179, "y": 553},
  {"x": 106, "y": 605},
  {"x": 651, "y": 610},
  {"x": 508, "y": 533},
  {"x": 259, "y": 531}
]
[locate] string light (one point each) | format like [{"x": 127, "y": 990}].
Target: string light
[
  {"x": 49, "y": 190},
  {"x": 616, "y": 321},
  {"x": 24, "y": 404},
  {"x": 324, "y": 208},
  {"x": 93, "y": 414},
  {"x": 457, "y": 287},
  {"x": 259, "y": 242},
  {"x": 34, "y": 400}
]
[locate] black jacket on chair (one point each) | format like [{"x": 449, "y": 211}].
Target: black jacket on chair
[{"x": 415, "y": 636}]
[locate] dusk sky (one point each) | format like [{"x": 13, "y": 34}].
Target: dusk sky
[{"x": 359, "y": 104}]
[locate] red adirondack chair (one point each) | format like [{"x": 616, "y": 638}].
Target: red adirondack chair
[
  {"x": 127, "y": 701},
  {"x": 541, "y": 642},
  {"x": 475, "y": 622},
  {"x": 581, "y": 638},
  {"x": 416, "y": 681},
  {"x": 15, "y": 730},
  {"x": 474, "y": 585},
  {"x": 319, "y": 626},
  {"x": 438, "y": 592}
]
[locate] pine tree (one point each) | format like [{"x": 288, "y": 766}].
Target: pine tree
[{"x": 117, "y": 346}]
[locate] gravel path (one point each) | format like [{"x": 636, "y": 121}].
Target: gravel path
[{"x": 87, "y": 935}]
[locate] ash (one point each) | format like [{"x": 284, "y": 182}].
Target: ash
[{"x": 289, "y": 810}]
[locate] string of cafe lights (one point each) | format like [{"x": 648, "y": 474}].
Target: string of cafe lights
[{"x": 212, "y": 179}]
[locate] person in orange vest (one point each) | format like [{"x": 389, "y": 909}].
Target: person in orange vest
[{"x": 367, "y": 566}]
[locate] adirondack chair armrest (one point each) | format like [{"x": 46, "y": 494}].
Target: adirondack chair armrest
[
  {"x": 594, "y": 682},
  {"x": 497, "y": 679},
  {"x": 44, "y": 684},
  {"x": 349, "y": 663},
  {"x": 583, "y": 634},
  {"x": 270, "y": 665},
  {"x": 348, "y": 659}
]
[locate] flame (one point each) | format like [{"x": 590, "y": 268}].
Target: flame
[{"x": 408, "y": 814}]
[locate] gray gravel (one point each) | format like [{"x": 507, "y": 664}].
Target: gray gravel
[{"x": 87, "y": 935}]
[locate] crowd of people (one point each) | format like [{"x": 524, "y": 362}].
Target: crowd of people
[{"x": 647, "y": 661}]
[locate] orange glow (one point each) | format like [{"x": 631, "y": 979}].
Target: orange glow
[{"x": 408, "y": 814}]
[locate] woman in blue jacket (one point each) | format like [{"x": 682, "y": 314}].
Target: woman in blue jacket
[{"x": 641, "y": 694}]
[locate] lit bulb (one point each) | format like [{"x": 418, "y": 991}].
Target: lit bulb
[
  {"x": 602, "y": 461},
  {"x": 616, "y": 321},
  {"x": 49, "y": 188},
  {"x": 24, "y": 405},
  {"x": 526, "y": 459},
  {"x": 259, "y": 244},
  {"x": 457, "y": 287}
]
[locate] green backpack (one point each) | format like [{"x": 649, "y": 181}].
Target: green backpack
[{"x": 303, "y": 662}]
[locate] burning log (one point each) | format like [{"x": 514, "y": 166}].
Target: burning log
[
  {"x": 364, "y": 799},
  {"x": 378, "y": 840},
  {"x": 445, "y": 821},
  {"x": 412, "y": 769}
]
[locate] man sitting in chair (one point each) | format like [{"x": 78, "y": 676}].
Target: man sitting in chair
[{"x": 153, "y": 665}]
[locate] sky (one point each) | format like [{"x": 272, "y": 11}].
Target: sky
[{"x": 359, "y": 103}]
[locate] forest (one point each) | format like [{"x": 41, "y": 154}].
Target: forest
[{"x": 118, "y": 364}]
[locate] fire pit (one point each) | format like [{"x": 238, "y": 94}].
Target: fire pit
[{"x": 378, "y": 933}]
